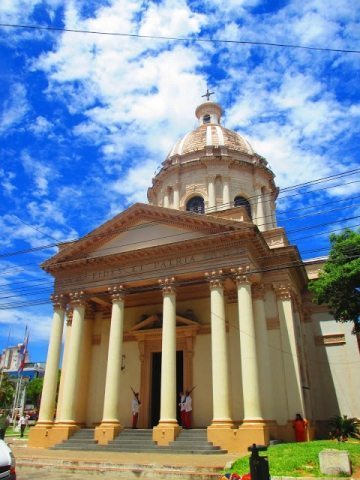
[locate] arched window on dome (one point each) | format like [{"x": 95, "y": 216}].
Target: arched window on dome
[
  {"x": 195, "y": 204},
  {"x": 206, "y": 118},
  {"x": 242, "y": 202}
]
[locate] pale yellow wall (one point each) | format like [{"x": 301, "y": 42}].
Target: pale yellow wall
[
  {"x": 335, "y": 370},
  {"x": 130, "y": 377},
  {"x": 202, "y": 394},
  {"x": 280, "y": 404},
  {"x": 236, "y": 391},
  {"x": 83, "y": 383},
  {"x": 98, "y": 371}
]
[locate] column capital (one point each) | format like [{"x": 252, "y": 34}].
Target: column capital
[
  {"x": 58, "y": 301},
  {"x": 77, "y": 298},
  {"x": 167, "y": 285},
  {"x": 282, "y": 291},
  {"x": 242, "y": 274},
  {"x": 117, "y": 293},
  {"x": 258, "y": 291},
  {"x": 215, "y": 279}
]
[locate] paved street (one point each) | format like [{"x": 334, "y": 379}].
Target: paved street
[{"x": 25, "y": 473}]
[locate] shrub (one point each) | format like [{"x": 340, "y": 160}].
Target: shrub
[{"x": 343, "y": 427}]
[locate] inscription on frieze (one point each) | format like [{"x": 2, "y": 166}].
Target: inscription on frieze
[{"x": 171, "y": 265}]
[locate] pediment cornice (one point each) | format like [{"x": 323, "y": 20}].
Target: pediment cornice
[{"x": 138, "y": 213}]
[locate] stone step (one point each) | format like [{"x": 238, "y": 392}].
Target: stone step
[{"x": 136, "y": 441}]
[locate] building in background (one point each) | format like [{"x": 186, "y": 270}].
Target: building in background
[
  {"x": 11, "y": 358},
  {"x": 199, "y": 288}
]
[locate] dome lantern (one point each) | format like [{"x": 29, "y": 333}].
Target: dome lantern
[{"x": 209, "y": 113}]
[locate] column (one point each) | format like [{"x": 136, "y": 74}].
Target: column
[
  {"x": 226, "y": 194},
  {"x": 220, "y": 368},
  {"x": 113, "y": 368},
  {"x": 249, "y": 366},
  {"x": 290, "y": 354},
  {"x": 168, "y": 428},
  {"x": 211, "y": 195},
  {"x": 48, "y": 397},
  {"x": 166, "y": 199},
  {"x": 73, "y": 361},
  {"x": 68, "y": 321},
  {"x": 263, "y": 353},
  {"x": 267, "y": 208},
  {"x": 110, "y": 424},
  {"x": 260, "y": 212},
  {"x": 177, "y": 196}
]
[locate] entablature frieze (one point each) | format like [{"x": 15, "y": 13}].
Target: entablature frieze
[{"x": 230, "y": 249}]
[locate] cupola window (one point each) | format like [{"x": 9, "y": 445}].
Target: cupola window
[
  {"x": 195, "y": 204},
  {"x": 242, "y": 202},
  {"x": 206, "y": 118}
]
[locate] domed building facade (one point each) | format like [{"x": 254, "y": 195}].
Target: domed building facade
[{"x": 197, "y": 291}]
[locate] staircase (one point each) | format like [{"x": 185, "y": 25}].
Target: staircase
[{"x": 192, "y": 441}]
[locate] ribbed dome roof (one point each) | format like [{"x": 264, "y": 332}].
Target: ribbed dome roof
[{"x": 211, "y": 135}]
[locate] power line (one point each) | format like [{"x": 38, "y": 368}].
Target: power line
[
  {"x": 179, "y": 39},
  {"x": 90, "y": 235},
  {"x": 155, "y": 287},
  {"x": 129, "y": 274}
]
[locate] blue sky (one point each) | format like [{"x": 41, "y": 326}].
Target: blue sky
[{"x": 85, "y": 120}]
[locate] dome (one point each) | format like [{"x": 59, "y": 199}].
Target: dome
[
  {"x": 214, "y": 171},
  {"x": 210, "y": 134}
]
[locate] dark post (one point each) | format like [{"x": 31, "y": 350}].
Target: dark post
[{"x": 259, "y": 466}]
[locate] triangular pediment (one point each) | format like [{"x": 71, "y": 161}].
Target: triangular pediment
[
  {"x": 141, "y": 226},
  {"x": 155, "y": 322},
  {"x": 145, "y": 235}
]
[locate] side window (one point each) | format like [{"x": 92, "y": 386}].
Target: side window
[
  {"x": 196, "y": 204},
  {"x": 206, "y": 119},
  {"x": 242, "y": 202}
]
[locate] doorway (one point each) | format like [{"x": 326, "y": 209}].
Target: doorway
[{"x": 156, "y": 384}]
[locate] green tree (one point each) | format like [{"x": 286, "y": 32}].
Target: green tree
[
  {"x": 339, "y": 283},
  {"x": 7, "y": 391},
  {"x": 33, "y": 391}
]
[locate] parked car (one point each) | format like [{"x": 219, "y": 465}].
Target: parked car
[{"x": 7, "y": 462}]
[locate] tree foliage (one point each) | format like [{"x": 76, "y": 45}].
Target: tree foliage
[
  {"x": 7, "y": 391},
  {"x": 33, "y": 391},
  {"x": 339, "y": 283}
]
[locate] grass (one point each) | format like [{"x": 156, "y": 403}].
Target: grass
[
  {"x": 10, "y": 432},
  {"x": 300, "y": 459}
]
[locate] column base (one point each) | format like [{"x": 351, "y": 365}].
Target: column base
[
  {"x": 107, "y": 431},
  {"x": 253, "y": 431},
  {"x": 165, "y": 432},
  {"x": 49, "y": 434},
  {"x": 223, "y": 434},
  {"x": 39, "y": 435},
  {"x": 63, "y": 431}
]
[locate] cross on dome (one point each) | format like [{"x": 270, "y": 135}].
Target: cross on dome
[{"x": 208, "y": 94}]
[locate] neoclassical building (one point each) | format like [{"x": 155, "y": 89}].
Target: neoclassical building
[{"x": 199, "y": 289}]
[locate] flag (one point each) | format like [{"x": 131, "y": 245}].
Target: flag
[{"x": 23, "y": 351}]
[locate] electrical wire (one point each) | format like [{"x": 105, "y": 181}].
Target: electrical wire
[{"x": 179, "y": 39}]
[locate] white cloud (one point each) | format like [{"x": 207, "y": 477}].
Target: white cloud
[
  {"x": 6, "y": 181},
  {"x": 14, "y": 108},
  {"x": 41, "y": 174},
  {"x": 40, "y": 125}
]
